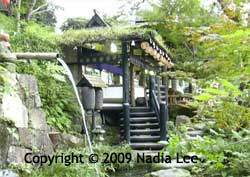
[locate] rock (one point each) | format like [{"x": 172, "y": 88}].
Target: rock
[
  {"x": 8, "y": 79},
  {"x": 65, "y": 141},
  {"x": 14, "y": 110},
  {"x": 5, "y": 54},
  {"x": 8, "y": 173},
  {"x": 182, "y": 119},
  {"x": 173, "y": 164},
  {"x": 55, "y": 138},
  {"x": 36, "y": 138},
  {"x": 140, "y": 101},
  {"x": 195, "y": 133},
  {"x": 211, "y": 37},
  {"x": 4, "y": 143},
  {"x": 72, "y": 141},
  {"x": 29, "y": 91},
  {"x": 16, "y": 154},
  {"x": 11, "y": 67},
  {"x": 200, "y": 126},
  {"x": 170, "y": 173},
  {"x": 38, "y": 119}
]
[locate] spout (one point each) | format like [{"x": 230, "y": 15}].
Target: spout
[{"x": 37, "y": 56}]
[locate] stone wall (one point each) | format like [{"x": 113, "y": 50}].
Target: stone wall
[{"x": 23, "y": 126}]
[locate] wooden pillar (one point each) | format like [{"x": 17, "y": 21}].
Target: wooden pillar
[
  {"x": 132, "y": 85},
  {"x": 125, "y": 73},
  {"x": 174, "y": 88},
  {"x": 126, "y": 122},
  {"x": 165, "y": 83},
  {"x": 190, "y": 87},
  {"x": 163, "y": 121}
]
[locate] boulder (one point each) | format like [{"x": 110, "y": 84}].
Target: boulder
[
  {"x": 195, "y": 133},
  {"x": 65, "y": 141},
  {"x": 170, "y": 173},
  {"x": 29, "y": 91},
  {"x": 16, "y": 154},
  {"x": 35, "y": 138},
  {"x": 182, "y": 119},
  {"x": 173, "y": 164},
  {"x": 8, "y": 173},
  {"x": 72, "y": 141},
  {"x": 4, "y": 143},
  {"x": 13, "y": 109},
  {"x": 38, "y": 119},
  {"x": 5, "y": 54}
]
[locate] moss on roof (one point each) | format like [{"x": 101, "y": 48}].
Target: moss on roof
[{"x": 92, "y": 35}]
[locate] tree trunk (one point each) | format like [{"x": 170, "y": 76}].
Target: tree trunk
[
  {"x": 19, "y": 2},
  {"x": 30, "y": 9}
]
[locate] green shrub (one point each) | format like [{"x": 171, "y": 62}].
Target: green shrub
[
  {"x": 57, "y": 95},
  {"x": 34, "y": 38}
]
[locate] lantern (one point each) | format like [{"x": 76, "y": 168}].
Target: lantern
[{"x": 144, "y": 45}]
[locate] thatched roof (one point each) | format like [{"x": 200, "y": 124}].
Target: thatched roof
[
  {"x": 91, "y": 81},
  {"x": 95, "y": 35}
]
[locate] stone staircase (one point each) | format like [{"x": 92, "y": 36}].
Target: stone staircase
[{"x": 144, "y": 129}]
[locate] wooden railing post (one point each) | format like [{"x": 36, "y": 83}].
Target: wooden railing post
[
  {"x": 152, "y": 87},
  {"x": 158, "y": 81},
  {"x": 163, "y": 121},
  {"x": 126, "y": 122}
]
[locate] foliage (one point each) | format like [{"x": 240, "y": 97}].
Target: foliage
[
  {"x": 74, "y": 24},
  {"x": 219, "y": 156},
  {"x": 79, "y": 37},
  {"x": 40, "y": 11},
  {"x": 221, "y": 104},
  {"x": 230, "y": 51},
  {"x": 34, "y": 38},
  {"x": 7, "y": 23},
  {"x": 56, "y": 93},
  {"x": 78, "y": 169}
]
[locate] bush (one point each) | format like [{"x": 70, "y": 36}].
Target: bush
[
  {"x": 34, "y": 38},
  {"x": 56, "y": 93}
]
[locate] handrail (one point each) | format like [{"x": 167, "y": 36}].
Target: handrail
[{"x": 155, "y": 104}]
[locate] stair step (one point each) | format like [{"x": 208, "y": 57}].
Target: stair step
[
  {"x": 142, "y": 114},
  {"x": 142, "y": 125},
  {"x": 143, "y": 132},
  {"x": 146, "y": 152},
  {"x": 142, "y": 120},
  {"x": 139, "y": 109},
  {"x": 145, "y": 138},
  {"x": 147, "y": 146}
]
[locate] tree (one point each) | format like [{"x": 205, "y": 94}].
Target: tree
[
  {"x": 74, "y": 23},
  {"x": 41, "y": 11}
]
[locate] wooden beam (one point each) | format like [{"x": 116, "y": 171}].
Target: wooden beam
[{"x": 37, "y": 56}]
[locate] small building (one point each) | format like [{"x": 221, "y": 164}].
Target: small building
[{"x": 133, "y": 60}]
